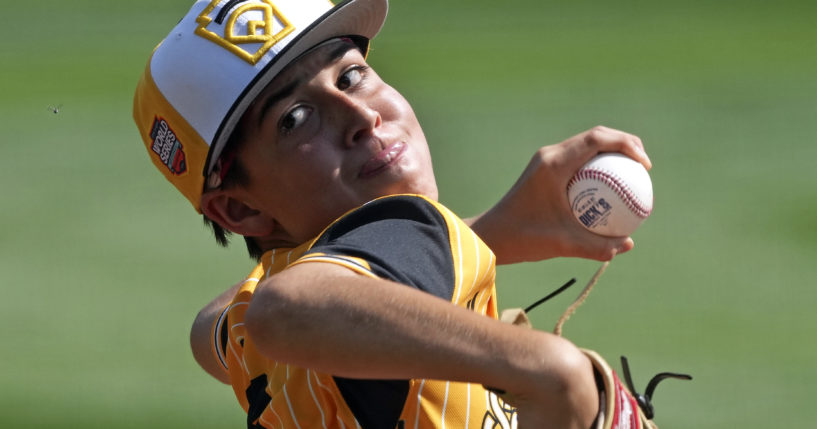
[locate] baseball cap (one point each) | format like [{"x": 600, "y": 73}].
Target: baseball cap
[{"x": 204, "y": 75}]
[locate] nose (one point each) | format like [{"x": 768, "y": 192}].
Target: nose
[{"x": 362, "y": 120}]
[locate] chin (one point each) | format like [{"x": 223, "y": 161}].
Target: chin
[
  {"x": 424, "y": 188},
  {"x": 416, "y": 178}
]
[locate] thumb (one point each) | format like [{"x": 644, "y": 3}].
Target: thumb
[
  {"x": 606, "y": 248},
  {"x": 620, "y": 245}
]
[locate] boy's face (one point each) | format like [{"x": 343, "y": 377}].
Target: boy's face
[{"x": 328, "y": 135}]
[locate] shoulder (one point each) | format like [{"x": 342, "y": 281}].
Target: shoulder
[
  {"x": 391, "y": 210},
  {"x": 408, "y": 239}
]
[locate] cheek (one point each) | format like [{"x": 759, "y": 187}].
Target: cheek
[
  {"x": 311, "y": 170},
  {"x": 394, "y": 107}
]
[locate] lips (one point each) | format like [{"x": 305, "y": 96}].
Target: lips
[{"x": 383, "y": 159}]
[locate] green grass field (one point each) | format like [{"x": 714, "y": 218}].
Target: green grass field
[{"x": 103, "y": 265}]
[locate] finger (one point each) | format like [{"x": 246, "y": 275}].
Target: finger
[
  {"x": 635, "y": 150},
  {"x": 600, "y": 248},
  {"x": 602, "y": 139}
]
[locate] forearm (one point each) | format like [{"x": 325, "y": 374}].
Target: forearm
[
  {"x": 507, "y": 237},
  {"x": 358, "y": 327},
  {"x": 516, "y": 230}
]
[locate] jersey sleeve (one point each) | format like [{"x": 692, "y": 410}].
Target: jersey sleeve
[
  {"x": 400, "y": 238},
  {"x": 220, "y": 338}
]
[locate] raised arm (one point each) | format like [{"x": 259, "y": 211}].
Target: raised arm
[
  {"x": 533, "y": 221},
  {"x": 328, "y": 318}
]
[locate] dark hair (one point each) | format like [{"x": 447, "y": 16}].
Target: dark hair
[{"x": 235, "y": 176}]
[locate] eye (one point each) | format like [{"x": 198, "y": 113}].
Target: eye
[
  {"x": 351, "y": 77},
  {"x": 294, "y": 118}
]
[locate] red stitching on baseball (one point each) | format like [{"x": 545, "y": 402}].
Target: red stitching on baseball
[{"x": 638, "y": 207}]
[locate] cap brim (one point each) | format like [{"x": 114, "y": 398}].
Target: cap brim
[{"x": 348, "y": 18}]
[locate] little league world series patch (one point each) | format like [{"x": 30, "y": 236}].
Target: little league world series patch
[{"x": 168, "y": 147}]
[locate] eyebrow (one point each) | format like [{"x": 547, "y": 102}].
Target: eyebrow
[
  {"x": 334, "y": 56},
  {"x": 273, "y": 99}
]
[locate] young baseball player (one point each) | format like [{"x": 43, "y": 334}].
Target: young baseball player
[{"x": 372, "y": 305}]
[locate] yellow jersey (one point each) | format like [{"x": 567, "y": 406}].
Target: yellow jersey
[{"x": 405, "y": 238}]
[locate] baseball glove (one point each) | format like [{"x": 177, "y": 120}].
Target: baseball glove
[{"x": 620, "y": 406}]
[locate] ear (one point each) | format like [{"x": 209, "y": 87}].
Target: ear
[{"x": 235, "y": 215}]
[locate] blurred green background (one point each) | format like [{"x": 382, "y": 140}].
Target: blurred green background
[{"x": 103, "y": 265}]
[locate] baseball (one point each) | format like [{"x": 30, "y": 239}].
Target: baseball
[{"x": 611, "y": 195}]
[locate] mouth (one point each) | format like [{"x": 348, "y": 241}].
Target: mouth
[{"x": 382, "y": 160}]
